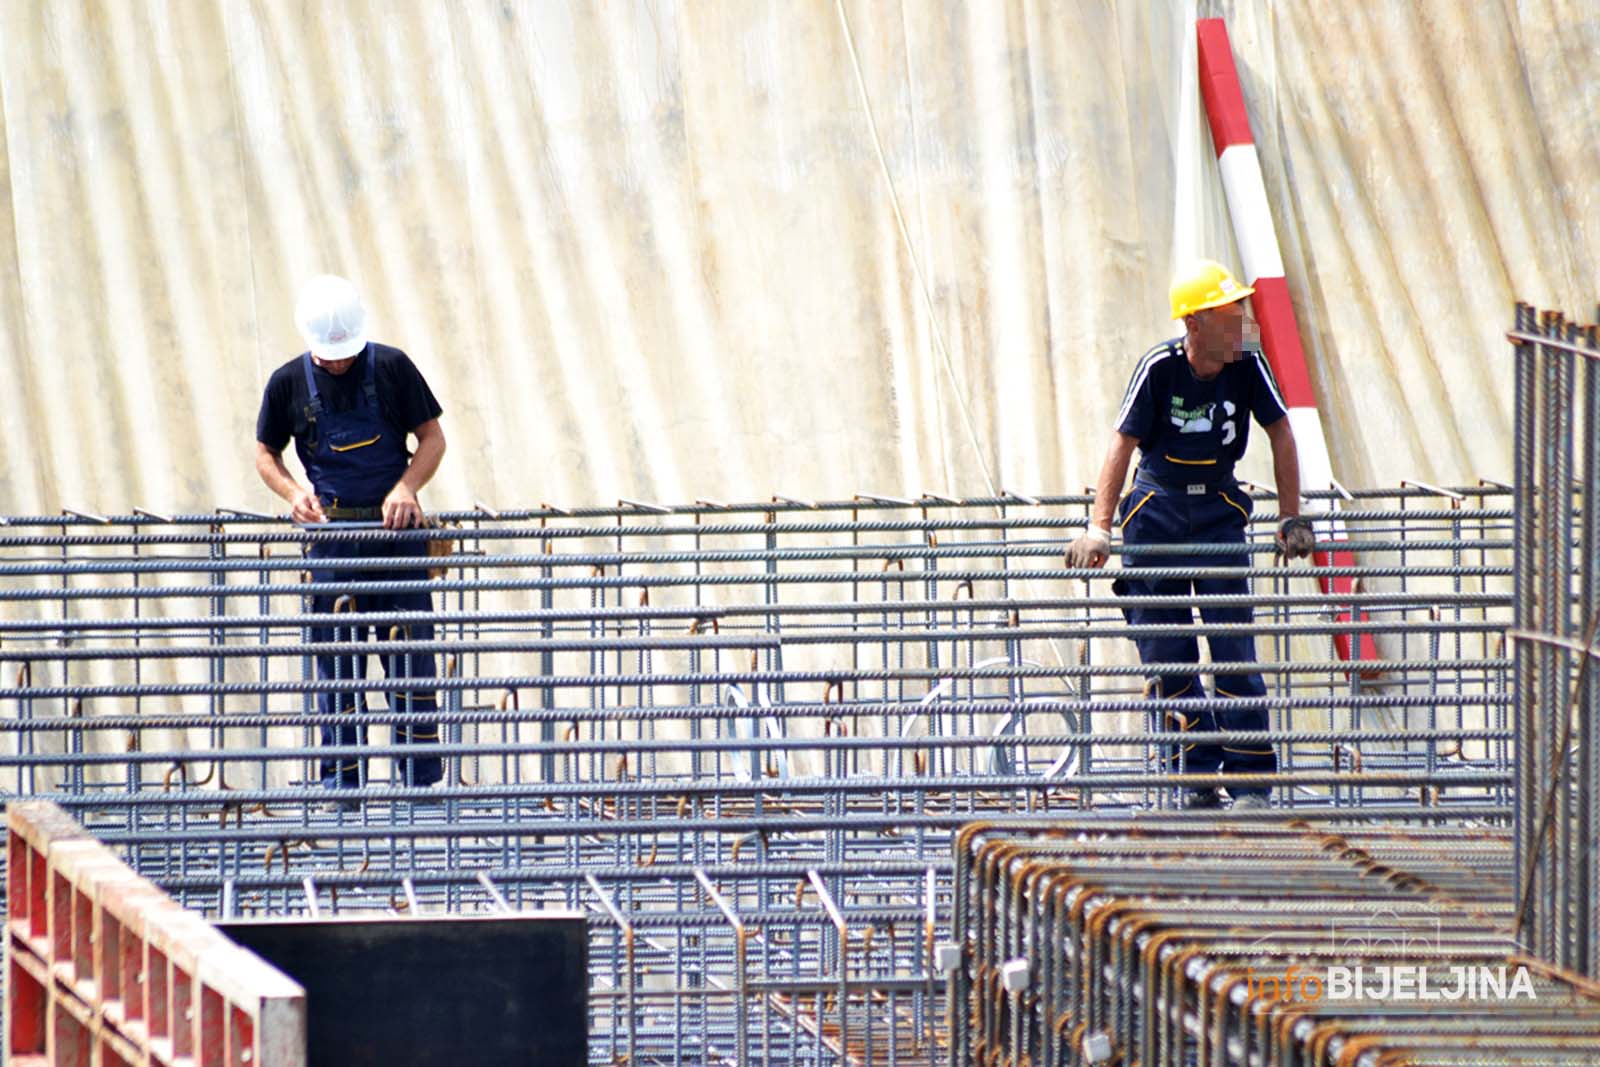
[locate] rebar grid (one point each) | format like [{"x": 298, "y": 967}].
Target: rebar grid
[{"x": 740, "y": 738}]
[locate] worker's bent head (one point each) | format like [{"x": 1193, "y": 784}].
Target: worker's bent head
[{"x": 332, "y": 320}]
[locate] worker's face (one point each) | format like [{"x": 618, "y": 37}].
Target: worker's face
[
  {"x": 1219, "y": 336},
  {"x": 334, "y": 366}
]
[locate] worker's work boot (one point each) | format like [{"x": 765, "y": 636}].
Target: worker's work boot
[
  {"x": 1251, "y": 802},
  {"x": 1199, "y": 800}
]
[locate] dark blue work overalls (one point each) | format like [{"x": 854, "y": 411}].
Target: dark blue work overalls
[
  {"x": 1201, "y": 511},
  {"x": 356, "y": 457}
]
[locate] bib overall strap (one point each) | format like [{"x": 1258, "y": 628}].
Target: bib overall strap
[
  {"x": 313, "y": 408},
  {"x": 369, "y": 383}
]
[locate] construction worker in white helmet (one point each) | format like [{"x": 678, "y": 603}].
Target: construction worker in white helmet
[
  {"x": 349, "y": 405},
  {"x": 1187, "y": 410}
]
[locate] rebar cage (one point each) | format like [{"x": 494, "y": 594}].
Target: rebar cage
[
  {"x": 1167, "y": 943},
  {"x": 738, "y": 737}
]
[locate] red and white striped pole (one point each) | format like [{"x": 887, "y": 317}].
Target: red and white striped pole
[{"x": 1263, "y": 269}]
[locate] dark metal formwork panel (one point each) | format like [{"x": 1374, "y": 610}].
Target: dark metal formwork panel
[{"x": 456, "y": 991}]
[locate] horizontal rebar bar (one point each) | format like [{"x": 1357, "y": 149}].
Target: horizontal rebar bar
[
  {"x": 609, "y": 616},
  {"x": 635, "y": 680},
  {"x": 400, "y": 646},
  {"x": 870, "y": 553},
  {"x": 670, "y": 581},
  {"x": 734, "y": 745},
  {"x": 989, "y": 706},
  {"x": 232, "y": 516}
]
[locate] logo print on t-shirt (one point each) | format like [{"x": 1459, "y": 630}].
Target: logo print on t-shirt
[{"x": 1191, "y": 420}]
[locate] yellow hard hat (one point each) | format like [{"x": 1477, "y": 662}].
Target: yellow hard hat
[{"x": 1205, "y": 283}]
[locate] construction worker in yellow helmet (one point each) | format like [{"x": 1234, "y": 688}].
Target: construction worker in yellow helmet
[{"x": 1187, "y": 411}]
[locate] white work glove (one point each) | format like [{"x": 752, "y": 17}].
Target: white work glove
[{"x": 1090, "y": 550}]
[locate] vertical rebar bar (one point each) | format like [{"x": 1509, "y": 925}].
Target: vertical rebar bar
[{"x": 1527, "y": 556}]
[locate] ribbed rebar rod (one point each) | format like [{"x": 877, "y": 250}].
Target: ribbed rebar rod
[
  {"x": 733, "y": 745},
  {"x": 996, "y": 707},
  {"x": 773, "y": 824},
  {"x": 753, "y": 642},
  {"x": 610, "y": 616},
  {"x": 670, "y": 581},
  {"x": 633, "y": 680},
  {"x": 236, "y": 517},
  {"x": 873, "y": 553}
]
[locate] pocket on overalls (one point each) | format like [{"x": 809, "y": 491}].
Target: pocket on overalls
[
  {"x": 1130, "y": 506},
  {"x": 1240, "y": 501},
  {"x": 1174, "y": 721},
  {"x": 1126, "y": 512},
  {"x": 339, "y": 443}
]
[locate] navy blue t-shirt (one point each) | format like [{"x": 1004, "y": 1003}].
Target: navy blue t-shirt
[
  {"x": 1190, "y": 429},
  {"x": 404, "y": 398}
]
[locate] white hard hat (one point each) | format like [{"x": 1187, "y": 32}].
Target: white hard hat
[{"x": 331, "y": 318}]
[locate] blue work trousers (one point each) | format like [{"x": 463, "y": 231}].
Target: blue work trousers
[
  {"x": 1154, "y": 514},
  {"x": 347, "y": 772}
]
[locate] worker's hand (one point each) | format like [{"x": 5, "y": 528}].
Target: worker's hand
[
  {"x": 306, "y": 508},
  {"x": 1296, "y": 536},
  {"x": 1090, "y": 550},
  {"x": 400, "y": 509}
]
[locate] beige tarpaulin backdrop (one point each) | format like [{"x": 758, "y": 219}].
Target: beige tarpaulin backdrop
[{"x": 722, "y": 249}]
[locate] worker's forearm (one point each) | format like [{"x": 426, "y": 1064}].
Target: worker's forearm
[
  {"x": 424, "y": 462},
  {"x": 269, "y": 465},
  {"x": 1286, "y": 470},
  {"x": 1113, "y": 474}
]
